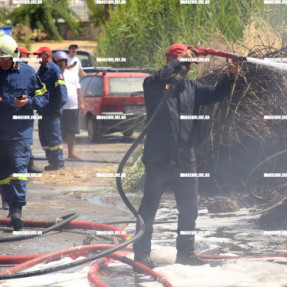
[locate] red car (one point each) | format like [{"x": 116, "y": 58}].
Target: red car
[{"x": 114, "y": 101}]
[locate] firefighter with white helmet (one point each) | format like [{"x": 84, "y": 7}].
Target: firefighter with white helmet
[
  {"x": 21, "y": 91},
  {"x": 8, "y": 47}
]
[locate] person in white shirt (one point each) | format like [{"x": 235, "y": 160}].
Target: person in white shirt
[
  {"x": 74, "y": 105},
  {"x": 74, "y": 64}
]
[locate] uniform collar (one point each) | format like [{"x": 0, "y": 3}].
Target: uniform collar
[
  {"x": 44, "y": 67},
  {"x": 16, "y": 68}
]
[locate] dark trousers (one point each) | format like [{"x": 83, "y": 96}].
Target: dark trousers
[
  {"x": 185, "y": 190},
  {"x": 14, "y": 159},
  {"x": 51, "y": 139}
]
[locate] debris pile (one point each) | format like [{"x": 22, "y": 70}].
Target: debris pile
[{"x": 238, "y": 135}]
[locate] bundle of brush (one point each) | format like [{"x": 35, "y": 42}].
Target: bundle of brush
[{"x": 238, "y": 136}]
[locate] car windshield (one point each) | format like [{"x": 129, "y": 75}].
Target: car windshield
[
  {"x": 85, "y": 60},
  {"x": 123, "y": 87},
  {"x": 84, "y": 57}
]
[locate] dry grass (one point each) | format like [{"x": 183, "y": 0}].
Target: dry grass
[
  {"x": 78, "y": 176},
  {"x": 237, "y": 137},
  {"x": 257, "y": 33}
]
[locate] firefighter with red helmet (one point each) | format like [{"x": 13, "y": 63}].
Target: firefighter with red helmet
[
  {"x": 168, "y": 150},
  {"x": 50, "y": 125}
]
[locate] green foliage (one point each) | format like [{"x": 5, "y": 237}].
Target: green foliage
[
  {"x": 4, "y": 17},
  {"x": 142, "y": 30},
  {"x": 134, "y": 179},
  {"x": 96, "y": 13},
  {"x": 45, "y": 17},
  {"x": 277, "y": 17}
]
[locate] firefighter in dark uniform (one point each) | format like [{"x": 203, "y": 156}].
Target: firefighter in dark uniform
[
  {"x": 20, "y": 93},
  {"x": 50, "y": 125},
  {"x": 24, "y": 56},
  {"x": 168, "y": 151}
]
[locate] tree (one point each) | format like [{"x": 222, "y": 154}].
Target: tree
[
  {"x": 4, "y": 16},
  {"x": 46, "y": 16},
  {"x": 97, "y": 12}
]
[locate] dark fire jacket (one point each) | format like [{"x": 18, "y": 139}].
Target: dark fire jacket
[{"x": 170, "y": 139}]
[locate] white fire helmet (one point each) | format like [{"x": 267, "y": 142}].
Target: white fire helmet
[{"x": 8, "y": 47}]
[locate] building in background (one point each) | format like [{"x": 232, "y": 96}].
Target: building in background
[
  {"x": 8, "y": 4},
  {"x": 81, "y": 8}
]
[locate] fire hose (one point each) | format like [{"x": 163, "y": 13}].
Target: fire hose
[
  {"x": 200, "y": 51},
  {"x": 75, "y": 251},
  {"x": 56, "y": 225},
  {"x": 213, "y": 52},
  {"x": 65, "y": 222},
  {"x": 95, "y": 282}
]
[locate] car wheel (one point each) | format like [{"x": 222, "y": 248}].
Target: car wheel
[
  {"x": 129, "y": 132},
  {"x": 94, "y": 131}
]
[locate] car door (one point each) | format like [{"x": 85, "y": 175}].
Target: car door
[
  {"x": 84, "y": 84},
  {"x": 93, "y": 95}
]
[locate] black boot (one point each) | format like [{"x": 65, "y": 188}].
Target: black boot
[
  {"x": 188, "y": 259},
  {"x": 32, "y": 168},
  {"x": 15, "y": 212},
  {"x": 185, "y": 251},
  {"x": 53, "y": 167},
  {"x": 145, "y": 260}
]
